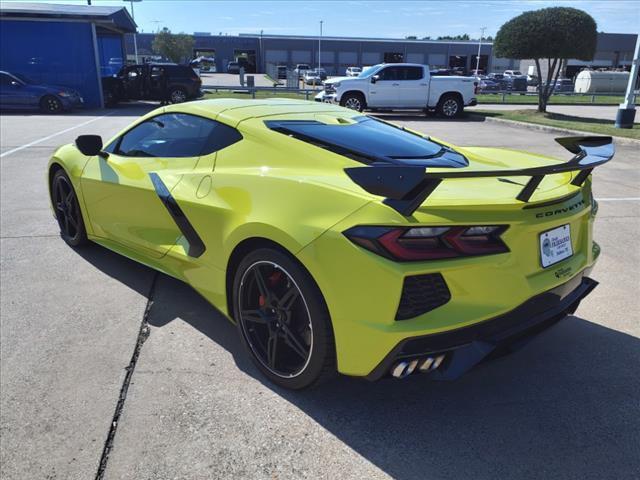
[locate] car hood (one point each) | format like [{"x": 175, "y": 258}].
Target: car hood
[{"x": 340, "y": 79}]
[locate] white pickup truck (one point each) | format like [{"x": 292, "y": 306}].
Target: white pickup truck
[{"x": 401, "y": 86}]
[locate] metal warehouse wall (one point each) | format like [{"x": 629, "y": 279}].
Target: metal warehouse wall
[
  {"x": 337, "y": 55},
  {"x": 55, "y": 53}
]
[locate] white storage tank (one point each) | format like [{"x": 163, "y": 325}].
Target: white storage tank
[{"x": 590, "y": 81}]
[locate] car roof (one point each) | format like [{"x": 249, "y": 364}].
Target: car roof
[{"x": 235, "y": 110}]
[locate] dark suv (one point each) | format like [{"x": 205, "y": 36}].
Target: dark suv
[{"x": 152, "y": 81}]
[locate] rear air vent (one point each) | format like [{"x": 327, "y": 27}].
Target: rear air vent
[{"x": 421, "y": 294}]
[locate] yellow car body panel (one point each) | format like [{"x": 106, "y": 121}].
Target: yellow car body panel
[{"x": 296, "y": 195}]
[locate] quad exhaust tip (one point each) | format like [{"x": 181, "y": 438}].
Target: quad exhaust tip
[{"x": 404, "y": 368}]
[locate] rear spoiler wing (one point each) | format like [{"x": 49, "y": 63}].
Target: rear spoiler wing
[{"x": 407, "y": 187}]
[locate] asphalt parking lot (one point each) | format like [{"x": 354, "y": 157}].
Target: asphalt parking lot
[{"x": 566, "y": 406}]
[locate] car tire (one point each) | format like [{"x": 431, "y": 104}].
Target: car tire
[
  {"x": 354, "y": 101},
  {"x": 177, "y": 95},
  {"x": 51, "y": 104},
  {"x": 67, "y": 210},
  {"x": 450, "y": 106},
  {"x": 110, "y": 99},
  {"x": 283, "y": 320}
]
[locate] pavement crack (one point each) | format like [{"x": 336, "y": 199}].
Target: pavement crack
[{"x": 143, "y": 334}]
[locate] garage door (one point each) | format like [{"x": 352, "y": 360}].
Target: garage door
[
  {"x": 438, "y": 60},
  {"x": 347, "y": 58},
  {"x": 370, "y": 58},
  {"x": 301, "y": 56},
  {"x": 415, "y": 58},
  {"x": 276, "y": 56}
]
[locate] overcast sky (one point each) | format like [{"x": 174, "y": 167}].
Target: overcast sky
[{"x": 380, "y": 18}]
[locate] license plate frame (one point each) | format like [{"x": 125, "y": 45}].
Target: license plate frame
[{"x": 555, "y": 245}]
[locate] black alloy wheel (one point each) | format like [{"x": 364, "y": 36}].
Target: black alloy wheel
[
  {"x": 282, "y": 320},
  {"x": 67, "y": 210}
]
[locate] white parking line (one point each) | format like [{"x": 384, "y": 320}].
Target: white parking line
[
  {"x": 17, "y": 149},
  {"x": 623, "y": 199}
]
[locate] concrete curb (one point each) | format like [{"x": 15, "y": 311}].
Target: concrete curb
[{"x": 547, "y": 128}]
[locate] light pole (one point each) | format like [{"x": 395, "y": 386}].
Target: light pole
[
  {"x": 479, "y": 47},
  {"x": 262, "y": 56},
  {"x": 320, "y": 47},
  {"x": 627, "y": 111},
  {"x": 135, "y": 41}
]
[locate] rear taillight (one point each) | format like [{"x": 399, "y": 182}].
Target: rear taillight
[
  {"x": 429, "y": 243},
  {"x": 476, "y": 88}
]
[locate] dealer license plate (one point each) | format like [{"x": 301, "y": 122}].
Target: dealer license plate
[{"x": 555, "y": 245}]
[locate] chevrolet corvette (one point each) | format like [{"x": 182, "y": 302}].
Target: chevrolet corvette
[{"x": 336, "y": 241}]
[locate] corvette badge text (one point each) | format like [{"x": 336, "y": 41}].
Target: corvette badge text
[{"x": 558, "y": 211}]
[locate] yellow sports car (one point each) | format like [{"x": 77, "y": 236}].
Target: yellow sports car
[{"x": 338, "y": 242}]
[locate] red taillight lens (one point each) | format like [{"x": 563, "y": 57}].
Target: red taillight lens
[
  {"x": 429, "y": 243},
  {"x": 476, "y": 88}
]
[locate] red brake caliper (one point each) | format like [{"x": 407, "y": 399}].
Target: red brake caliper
[{"x": 273, "y": 280}]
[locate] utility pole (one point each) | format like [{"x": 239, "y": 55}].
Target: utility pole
[
  {"x": 319, "y": 48},
  {"x": 262, "y": 65},
  {"x": 135, "y": 40},
  {"x": 479, "y": 47},
  {"x": 627, "y": 111}
]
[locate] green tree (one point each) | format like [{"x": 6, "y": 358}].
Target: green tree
[
  {"x": 555, "y": 34},
  {"x": 175, "y": 47}
]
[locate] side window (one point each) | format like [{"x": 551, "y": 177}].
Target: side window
[
  {"x": 176, "y": 135},
  {"x": 413, "y": 73},
  {"x": 389, "y": 73}
]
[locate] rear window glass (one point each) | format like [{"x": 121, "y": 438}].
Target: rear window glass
[{"x": 368, "y": 140}]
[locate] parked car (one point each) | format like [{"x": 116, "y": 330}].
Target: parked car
[
  {"x": 337, "y": 242},
  {"x": 512, "y": 73},
  {"x": 562, "y": 85},
  {"x": 152, "y": 81},
  {"x": 21, "y": 93},
  {"x": 488, "y": 85},
  {"x": 233, "y": 67},
  {"x": 353, "y": 71},
  {"x": 301, "y": 69},
  {"x": 322, "y": 72},
  {"x": 390, "y": 86},
  {"x": 311, "y": 77},
  {"x": 516, "y": 84}
]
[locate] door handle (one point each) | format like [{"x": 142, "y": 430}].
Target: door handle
[
  {"x": 423, "y": 84},
  {"x": 395, "y": 84}
]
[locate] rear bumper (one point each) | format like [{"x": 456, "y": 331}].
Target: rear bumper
[
  {"x": 473, "y": 102},
  {"x": 466, "y": 347}
]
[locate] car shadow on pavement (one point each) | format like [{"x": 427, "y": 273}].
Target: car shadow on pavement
[{"x": 565, "y": 406}]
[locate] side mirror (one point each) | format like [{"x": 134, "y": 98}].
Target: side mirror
[
  {"x": 90, "y": 145},
  {"x": 375, "y": 78}
]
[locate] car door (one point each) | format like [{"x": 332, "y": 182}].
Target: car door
[
  {"x": 413, "y": 90},
  {"x": 384, "y": 92},
  {"x": 12, "y": 92},
  {"x": 122, "y": 194}
]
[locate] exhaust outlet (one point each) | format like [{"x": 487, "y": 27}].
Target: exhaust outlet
[
  {"x": 430, "y": 364},
  {"x": 399, "y": 370}
]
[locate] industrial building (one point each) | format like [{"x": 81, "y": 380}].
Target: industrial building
[
  {"x": 68, "y": 45},
  {"x": 613, "y": 51},
  {"x": 257, "y": 52}
]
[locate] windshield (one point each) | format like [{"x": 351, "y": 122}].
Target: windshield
[
  {"x": 24, "y": 79},
  {"x": 368, "y": 140},
  {"x": 367, "y": 72}
]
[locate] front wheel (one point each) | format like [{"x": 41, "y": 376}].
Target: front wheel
[
  {"x": 354, "y": 101},
  {"x": 67, "y": 209},
  {"x": 450, "y": 106},
  {"x": 283, "y": 320}
]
